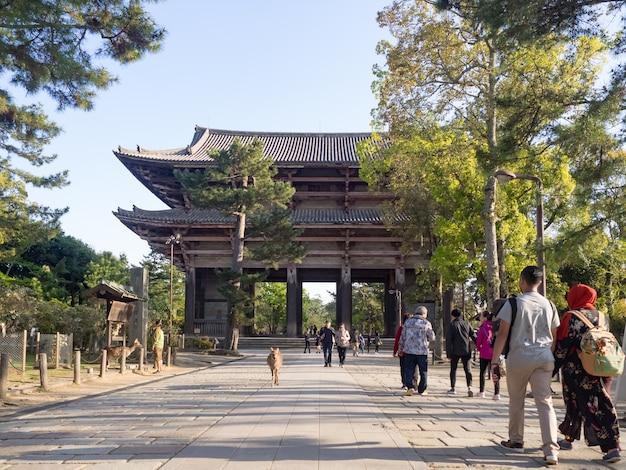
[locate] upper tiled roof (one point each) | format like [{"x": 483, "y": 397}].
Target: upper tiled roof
[
  {"x": 210, "y": 217},
  {"x": 282, "y": 147}
]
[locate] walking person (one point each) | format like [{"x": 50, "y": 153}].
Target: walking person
[
  {"x": 588, "y": 405},
  {"x": 484, "y": 340},
  {"x": 530, "y": 361},
  {"x": 307, "y": 340},
  {"x": 361, "y": 344},
  {"x": 327, "y": 339},
  {"x": 459, "y": 338},
  {"x": 417, "y": 333},
  {"x": 158, "y": 342},
  {"x": 354, "y": 342},
  {"x": 377, "y": 342},
  {"x": 342, "y": 338},
  {"x": 406, "y": 316}
]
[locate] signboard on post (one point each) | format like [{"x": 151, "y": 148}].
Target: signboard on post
[{"x": 120, "y": 312}]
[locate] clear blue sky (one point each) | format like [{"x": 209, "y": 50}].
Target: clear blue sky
[{"x": 249, "y": 65}]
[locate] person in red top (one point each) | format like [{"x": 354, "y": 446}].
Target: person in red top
[{"x": 395, "y": 347}]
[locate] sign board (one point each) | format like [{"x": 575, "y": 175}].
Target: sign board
[{"x": 120, "y": 312}]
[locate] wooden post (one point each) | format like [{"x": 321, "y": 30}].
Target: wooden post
[
  {"x": 169, "y": 355},
  {"x": 58, "y": 351},
  {"x": 43, "y": 371},
  {"x": 140, "y": 366},
  {"x": 77, "y": 367},
  {"x": 123, "y": 362},
  {"x": 4, "y": 375},
  {"x": 24, "y": 347},
  {"x": 37, "y": 344},
  {"x": 103, "y": 363}
]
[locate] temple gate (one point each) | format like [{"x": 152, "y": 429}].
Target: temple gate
[{"x": 342, "y": 226}]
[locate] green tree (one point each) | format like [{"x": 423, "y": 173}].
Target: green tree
[
  {"x": 368, "y": 307},
  {"x": 52, "y": 47},
  {"x": 106, "y": 266},
  {"x": 18, "y": 308},
  {"x": 270, "y": 314},
  {"x": 461, "y": 100},
  {"x": 57, "y": 268},
  {"x": 239, "y": 183},
  {"x": 86, "y": 323},
  {"x": 314, "y": 311},
  {"x": 159, "y": 267}
]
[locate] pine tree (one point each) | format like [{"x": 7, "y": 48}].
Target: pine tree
[{"x": 240, "y": 183}]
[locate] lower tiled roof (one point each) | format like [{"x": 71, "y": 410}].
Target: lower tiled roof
[{"x": 209, "y": 217}]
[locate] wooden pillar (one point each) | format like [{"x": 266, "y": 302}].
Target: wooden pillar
[
  {"x": 395, "y": 301},
  {"x": 138, "y": 325},
  {"x": 294, "y": 302},
  {"x": 190, "y": 300},
  {"x": 248, "y": 330},
  {"x": 344, "y": 297}
]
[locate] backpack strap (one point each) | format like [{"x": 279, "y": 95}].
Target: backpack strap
[
  {"x": 513, "y": 303},
  {"x": 582, "y": 317}
]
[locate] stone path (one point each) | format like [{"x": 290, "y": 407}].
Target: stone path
[{"x": 227, "y": 416}]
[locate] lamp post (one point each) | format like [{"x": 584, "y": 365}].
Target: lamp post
[
  {"x": 171, "y": 241},
  {"x": 398, "y": 294},
  {"x": 504, "y": 176}
]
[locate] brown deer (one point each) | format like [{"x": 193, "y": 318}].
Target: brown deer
[
  {"x": 275, "y": 361},
  {"x": 115, "y": 352}
]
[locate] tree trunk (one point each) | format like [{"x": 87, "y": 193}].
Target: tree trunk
[
  {"x": 232, "y": 336},
  {"x": 491, "y": 248}
]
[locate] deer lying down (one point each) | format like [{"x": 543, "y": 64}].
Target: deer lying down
[
  {"x": 115, "y": 352},
  {"x": 275, "y": 361}
]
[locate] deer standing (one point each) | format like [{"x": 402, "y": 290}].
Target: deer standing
[
  {"x": 275, "y": 361},
  {"x": 115, "y": 352}
]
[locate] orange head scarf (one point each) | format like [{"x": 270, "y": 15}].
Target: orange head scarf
[{"x": 581, "y": 296}]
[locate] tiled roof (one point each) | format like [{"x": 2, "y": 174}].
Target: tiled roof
[
  {"x": 282, "y": 147},
  {"x": 209, "y": 217}
]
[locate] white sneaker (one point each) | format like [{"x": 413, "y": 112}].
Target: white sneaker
[
  {"x": 480, "y": 395},
  {"x": 451, "y": 392},
  {"x": 410, "y": 392},
  {"x": 551, "y": 459},
  {"x": 496, "y": 396}
]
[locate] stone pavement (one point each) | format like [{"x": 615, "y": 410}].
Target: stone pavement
[{"x": 227, "y": 416}]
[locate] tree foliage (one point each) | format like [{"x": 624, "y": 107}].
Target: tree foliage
[
  {"x": 106, "y": 266},
  {"x": 460, "y": 100},
  {"x": 57, "y": 268},
  {"x": 240, "y": 184},
  {"x": 57, "y": 48},
  {"x": 270, "y": 314},
  {"x": 368, "y": 308},
  {"x": 159, "y": 267}
]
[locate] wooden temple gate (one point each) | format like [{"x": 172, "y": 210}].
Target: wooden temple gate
[{"x": 340, "y": 218}]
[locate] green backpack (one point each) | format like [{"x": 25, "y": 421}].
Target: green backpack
[{"x": 600, "y": 353}]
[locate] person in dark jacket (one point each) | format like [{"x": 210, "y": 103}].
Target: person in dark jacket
[
  {"x": 459, "y": 336},
  {"x": 327, "y": 338}
]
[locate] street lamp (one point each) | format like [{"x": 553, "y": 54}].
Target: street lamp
[
  {"x": 504, "y": 176},
  {"x": 171, "y": 241},
  {"x": 398, "y": 293}
]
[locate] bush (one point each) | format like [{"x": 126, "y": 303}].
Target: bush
[{"x": 199, "y": 342}]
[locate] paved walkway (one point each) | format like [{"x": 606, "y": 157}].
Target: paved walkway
[{"x": 227, "y": 416}]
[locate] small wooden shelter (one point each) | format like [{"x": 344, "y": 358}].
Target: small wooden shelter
[{"x": 120, "y": 304}]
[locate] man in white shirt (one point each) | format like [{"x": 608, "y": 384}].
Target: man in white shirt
[{"x": 530, "y": 361}]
